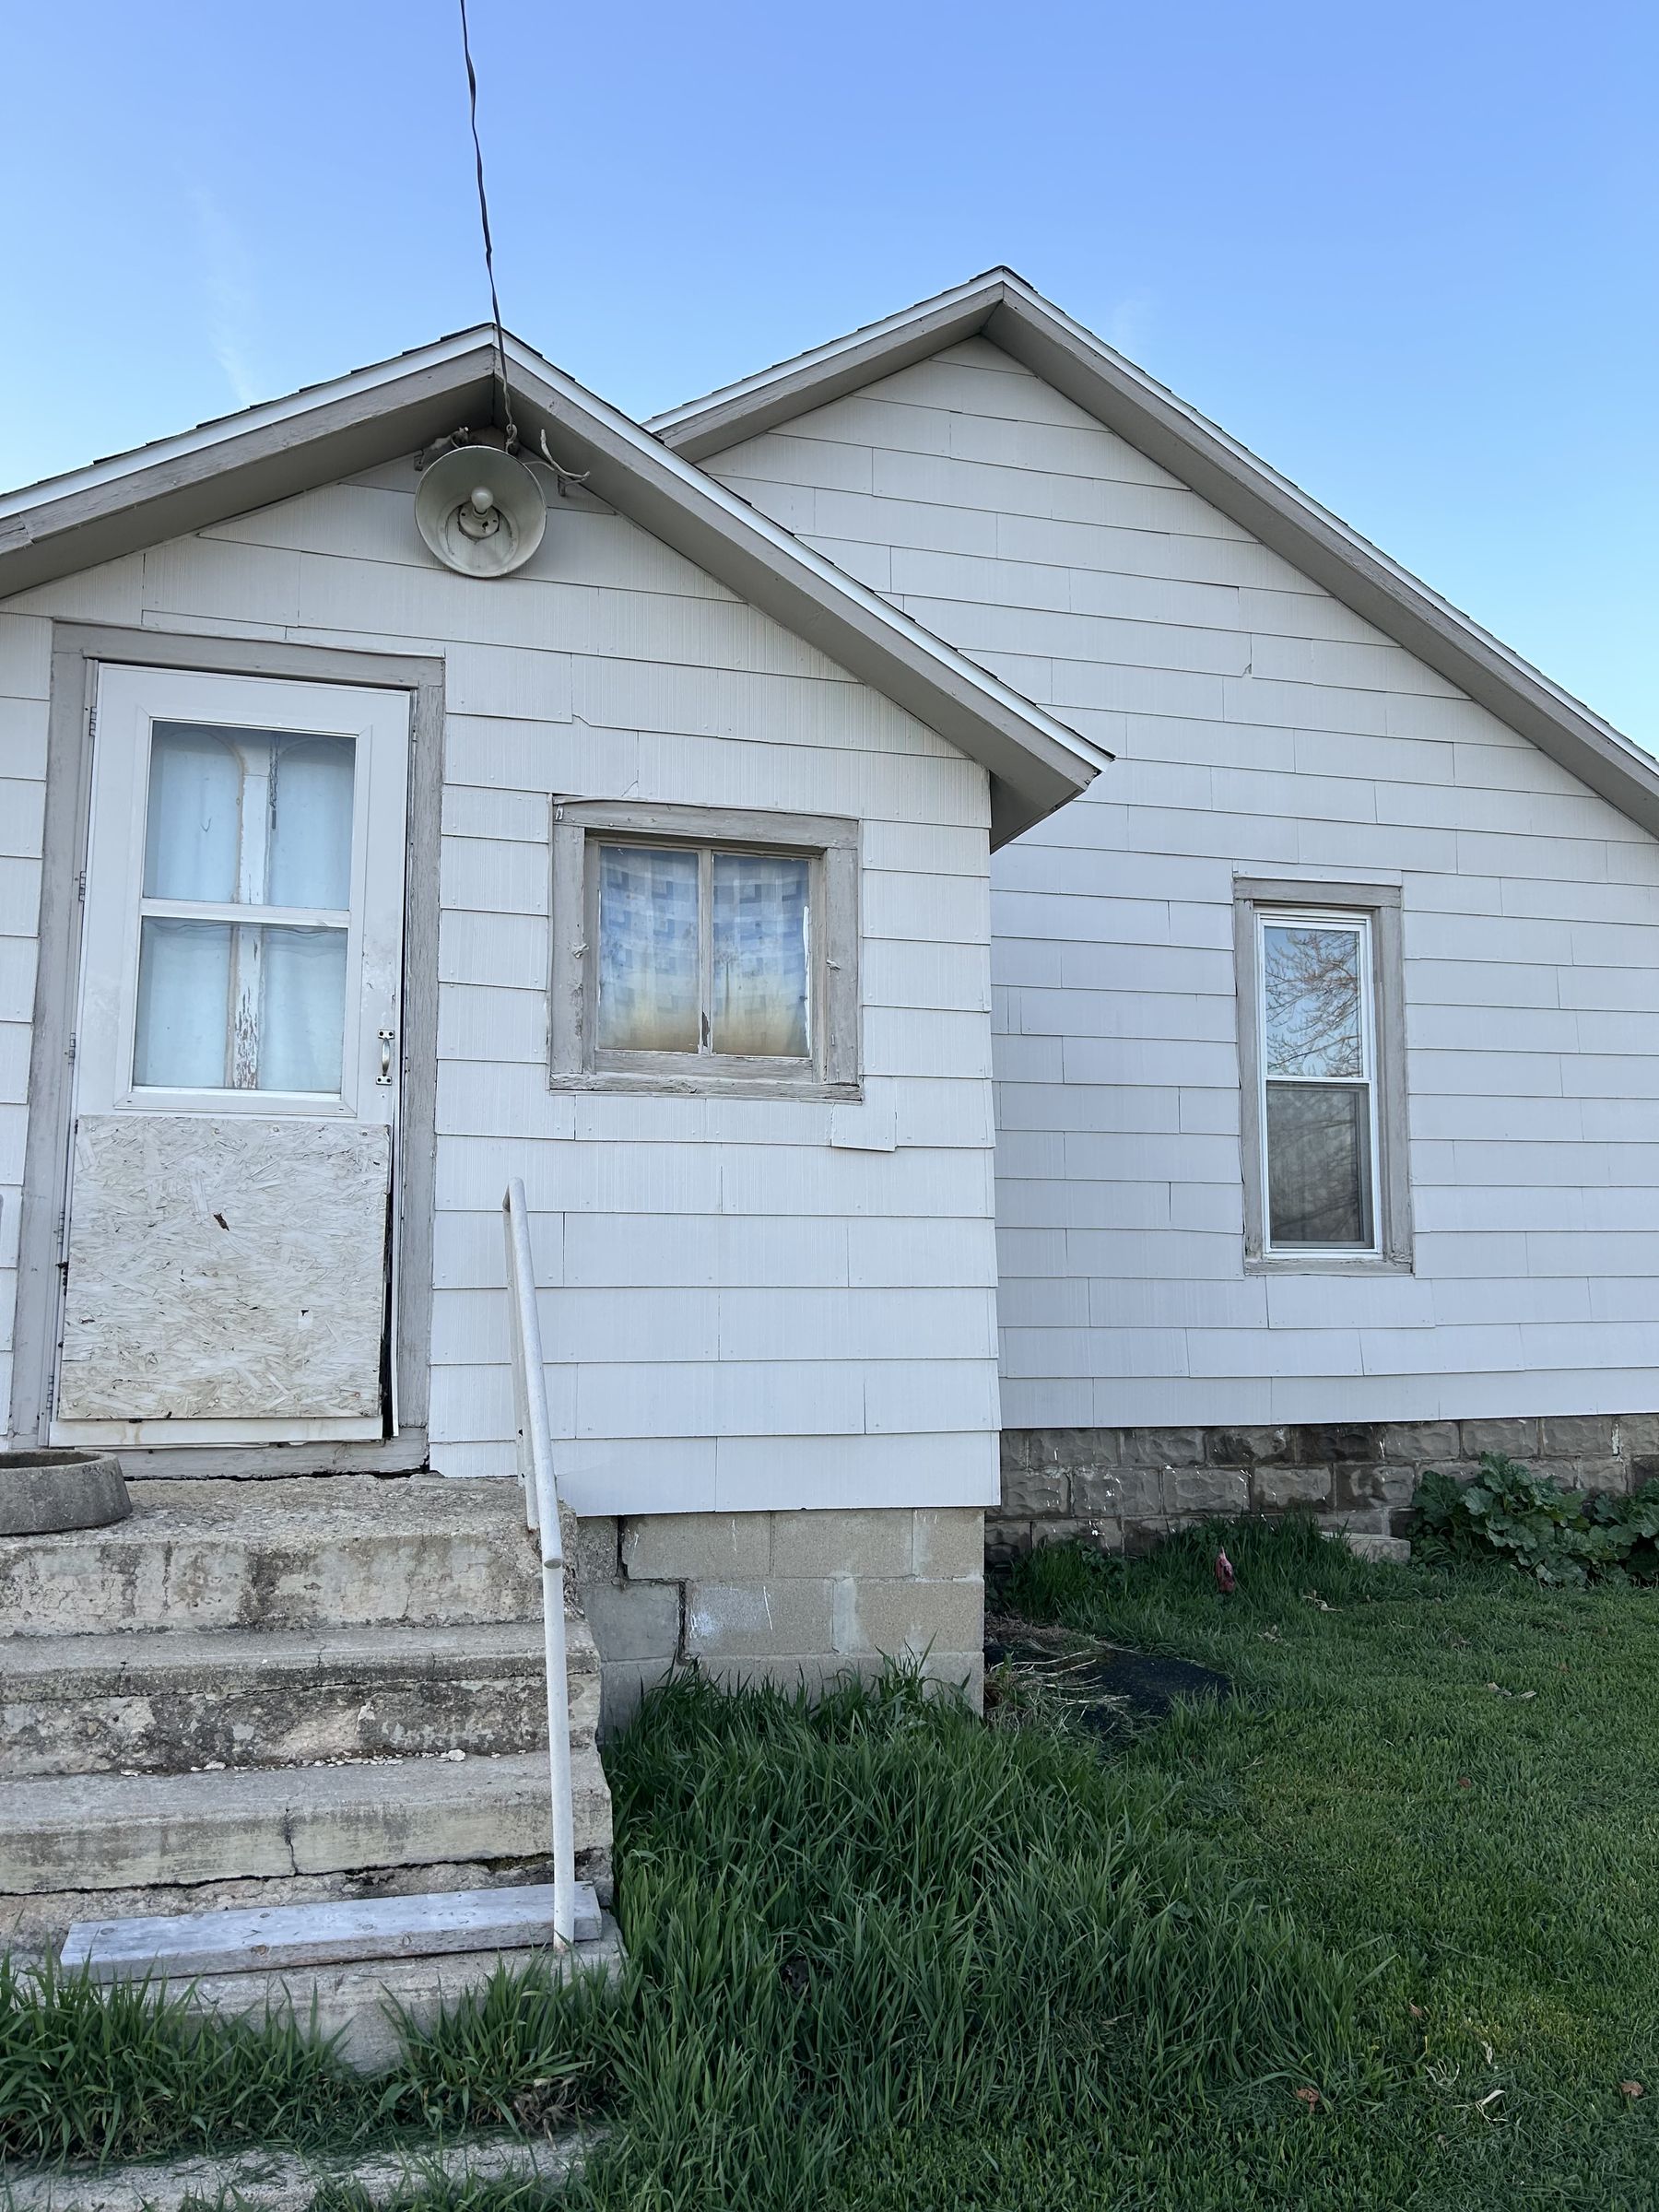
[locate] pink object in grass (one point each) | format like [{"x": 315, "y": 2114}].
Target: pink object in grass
[{"x": 1224, "y": 1574}]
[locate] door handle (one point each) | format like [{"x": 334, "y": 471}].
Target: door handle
[{"x": 386, "y": 1037}]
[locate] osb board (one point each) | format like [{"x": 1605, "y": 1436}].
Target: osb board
[{"x": 231, "y": 1269}]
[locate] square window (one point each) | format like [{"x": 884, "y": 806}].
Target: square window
[{"x": 695, "y": 947}]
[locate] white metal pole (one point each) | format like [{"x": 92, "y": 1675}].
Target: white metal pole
[{"x": 526, "y": 1322}]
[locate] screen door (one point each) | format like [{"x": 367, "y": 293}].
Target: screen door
[{"x": 229, "y": 1242}]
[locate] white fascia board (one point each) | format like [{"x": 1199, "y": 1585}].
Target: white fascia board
[
  {"x": 220, "y": 429},
  {"x": 1036, "y": 763},
  {"x": 244, "y": 461},
  {"x": 272, "y": 452},
  {"x": 1009, "y": 313},
  {"x": 758, "y": 403}
]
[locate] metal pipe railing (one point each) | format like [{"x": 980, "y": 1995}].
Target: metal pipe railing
[{"x": 541, "y": 1513}]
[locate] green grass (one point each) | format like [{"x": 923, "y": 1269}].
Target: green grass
[{"x": 884, "y": 1957}]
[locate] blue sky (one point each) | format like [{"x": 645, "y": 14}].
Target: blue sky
[{"x": 1409, "y": 255}]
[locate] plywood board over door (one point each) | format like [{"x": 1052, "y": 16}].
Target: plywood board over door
[{"x": 255, "y": 1239}]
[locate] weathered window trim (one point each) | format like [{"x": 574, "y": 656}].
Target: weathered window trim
[
  {"x": 834, "y": 1070},
  {"x": 78, "y": 649},
  {"x": 1379, "y": 904}
]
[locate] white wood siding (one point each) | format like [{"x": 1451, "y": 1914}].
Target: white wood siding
[
  {"x": 1260, "y": 726},
  {"x": 25, "y": 680},
  {"x": 746, "y": 1307}
]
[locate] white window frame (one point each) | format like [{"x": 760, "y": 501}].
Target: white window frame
[
  {"x": 131, "y": 700},
  {"x": 1373, "y": 912},
  {"x": 576, "y": 1062}
]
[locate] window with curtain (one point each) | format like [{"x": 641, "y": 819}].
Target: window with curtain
[
  {"x": 704, "y": 947},
  {"x": 704, "y": 952},
  {"x": 246, "y": 911}
]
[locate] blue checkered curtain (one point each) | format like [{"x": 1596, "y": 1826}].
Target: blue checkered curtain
[
  {"x": 762, "y": 917},
  {"x": 648, "y": 949}
]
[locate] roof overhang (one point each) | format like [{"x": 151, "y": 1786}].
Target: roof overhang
[
  {"x": 268, "y": 454},
  {"x": 1002, "y": 308}
]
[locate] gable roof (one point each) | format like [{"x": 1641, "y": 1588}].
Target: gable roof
[
  {"x": 1002, "y": 307},
  {"x": 326, "y": 432}
]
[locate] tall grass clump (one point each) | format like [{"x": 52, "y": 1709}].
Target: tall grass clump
[
  {"x": 845, "y": 1924},
  {"x": 877, "y": 1913},
  {"x": 95, "y": 2071}
]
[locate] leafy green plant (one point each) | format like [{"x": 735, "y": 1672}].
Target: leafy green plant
[{"x": 1558, "y": 1535}]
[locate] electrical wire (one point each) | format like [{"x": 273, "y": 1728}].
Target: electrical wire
[{"x": 508, "y": 424}]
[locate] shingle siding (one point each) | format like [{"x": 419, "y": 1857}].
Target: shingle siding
[
  {"x": 741, "y": 1314},
  {"x": 1259, "y": 725}
]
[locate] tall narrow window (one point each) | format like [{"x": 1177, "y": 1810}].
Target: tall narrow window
[
  {"x": 245, "y": 909},
  {"x": 1322, "y": 1056},
  {"x": 1318, "y": 1076}
]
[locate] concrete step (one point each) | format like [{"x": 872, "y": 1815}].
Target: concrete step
[
  {"x": 328, "y": 1551},
  {"x": 145, "y": 1832},
  {"x": 437, "y": 2169},
  {"x": 174, "y": 1701}
]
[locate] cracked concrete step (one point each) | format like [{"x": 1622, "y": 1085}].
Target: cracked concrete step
[
  {"x": 327, "y": 1551},
  {"x": 112, "y": 1831},
  {"x": 168, "y": 1701},
  {"x": 262, "y": 2180}
]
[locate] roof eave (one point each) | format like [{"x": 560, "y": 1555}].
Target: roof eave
[
  {"x": 233, "y": 466},
  {"x": 1002, "y": 307},
  {"x": 1316, "y": 541},
  {"x": 1035, "y": 762},
  {"x": 761, "y": 402},
  {"x": 273, "y": 453}
]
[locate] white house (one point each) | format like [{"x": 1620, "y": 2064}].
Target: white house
[
  {"x": 1315, "y": 964},
  {"x": 1246, "y": 1254}
]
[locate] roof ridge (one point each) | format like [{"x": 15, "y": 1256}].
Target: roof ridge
[
  {"x": 1006, "y": 308},
  {"x": 334, "y": 429}
]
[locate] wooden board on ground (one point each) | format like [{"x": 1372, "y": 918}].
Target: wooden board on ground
[{"x": 175, "y": 1945}]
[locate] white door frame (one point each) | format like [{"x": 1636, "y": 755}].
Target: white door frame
[{"x": 78, "y": 650}]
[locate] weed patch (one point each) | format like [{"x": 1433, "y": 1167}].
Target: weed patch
[{"x": 1530, "y": 1522}]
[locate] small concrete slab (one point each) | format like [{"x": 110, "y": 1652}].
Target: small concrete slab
[
  {"x": 1384, "y": 1551},
  {"x": 276, "y": 1936},
  {"x": 264, "y": 2181},
  {"x": 48, "y": 1493}
]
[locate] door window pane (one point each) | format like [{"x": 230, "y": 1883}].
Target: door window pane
[
  {"x": 648, "y": 949},
  {"x": 311, "y": 823},
  {"x": 1319, "y": 1176},
  {"x": 184, "y": 1004},
  {"x": 1312, "y": 997},
  {"x": 192, "y": 827},
  {"x": 302, "y": 1009},
  {"x": 762, "y": 952}
]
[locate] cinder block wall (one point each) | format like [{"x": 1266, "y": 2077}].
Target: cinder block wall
[
  {"x": 1123, "y": 1488},
  {"x": 782, "y": 1597}
]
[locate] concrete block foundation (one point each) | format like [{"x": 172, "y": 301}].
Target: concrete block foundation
[
  {"x": 784, "y": 1597},
  {"x": 1124, "y": 1488}
]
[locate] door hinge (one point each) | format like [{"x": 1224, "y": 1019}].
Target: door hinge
[
  {"x": 69, "y": 1051},
  {"x": 80, "y": 886}
]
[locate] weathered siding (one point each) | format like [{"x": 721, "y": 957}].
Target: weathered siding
[
  {"x": 747, "y": 1309},
  {"x": 25, "y": 670},
  {"x": 1259, "y": 726}
]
